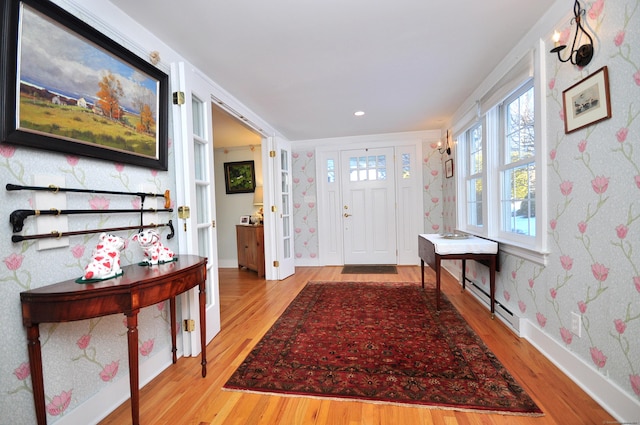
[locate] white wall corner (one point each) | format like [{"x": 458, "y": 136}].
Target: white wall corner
[{"x": 605, "y": 392}]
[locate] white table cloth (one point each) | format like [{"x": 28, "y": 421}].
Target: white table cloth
[{"x": 470, "y": 245}]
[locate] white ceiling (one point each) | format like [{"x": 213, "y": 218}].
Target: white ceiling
[{"x": 305, "y": 66}]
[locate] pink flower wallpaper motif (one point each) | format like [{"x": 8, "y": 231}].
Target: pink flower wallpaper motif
[
  {"x": 13, "y": 263},
  {"x": 22, "y": 372},
  {"x": 109, "y": 371},
  {"x": 59, "y": 403},
  {"x": 83, "y": 341},
  {"x": 146, "y": 347}
]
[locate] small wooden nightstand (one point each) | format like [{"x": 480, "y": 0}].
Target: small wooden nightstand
[{"x": 251, "y": 247}]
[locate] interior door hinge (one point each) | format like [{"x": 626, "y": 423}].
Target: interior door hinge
[
  {"x": 189, "y": 325},
  {"x": 178, "y": 98},
  {"x": 276, "y": 263},
  {"x": 272, "y": 154}
]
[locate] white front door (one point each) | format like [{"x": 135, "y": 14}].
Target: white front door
[
  {"x": 194, "y": 174},
  {"x": 369, "y": 206}
]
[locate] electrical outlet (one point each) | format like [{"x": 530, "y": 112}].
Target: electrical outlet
[{"x": 576, "y": 324}]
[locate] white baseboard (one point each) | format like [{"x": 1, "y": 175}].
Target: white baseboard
[
  {"x": 108, "y": 399},
  {"x": 607, "y": 394}
]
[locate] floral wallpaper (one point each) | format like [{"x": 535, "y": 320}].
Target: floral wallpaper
[
  {"x": 305, "y": 211},
  {"x": 79, "y": 358},
  {"x": 433, "y": 181},
  {"x": 594, "y": 209},
  {"x": 593, "y": 212}
]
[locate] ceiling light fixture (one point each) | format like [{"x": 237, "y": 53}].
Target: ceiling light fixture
[
  {"x": 584, "y": 53},
  {"x": 358, "y": 113}
]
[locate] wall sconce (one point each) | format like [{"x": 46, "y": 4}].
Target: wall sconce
[
  {"x": 584, "y": 53},
  {"x": 446, "y": 148}
]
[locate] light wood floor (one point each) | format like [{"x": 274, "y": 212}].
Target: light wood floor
[{"x": 249, "y": 306}]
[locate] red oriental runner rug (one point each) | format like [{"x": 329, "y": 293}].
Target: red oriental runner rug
[{"x": 379, "y": 342}]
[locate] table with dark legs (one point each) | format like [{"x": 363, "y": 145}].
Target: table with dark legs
[
  {"x": 433, "y": 248},
  {"x": 138, "y": 287}
]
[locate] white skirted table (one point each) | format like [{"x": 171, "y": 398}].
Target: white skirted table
[{"x": 433, "y": 248}]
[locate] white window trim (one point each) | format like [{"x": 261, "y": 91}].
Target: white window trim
[{"x": 536, "y": 252}]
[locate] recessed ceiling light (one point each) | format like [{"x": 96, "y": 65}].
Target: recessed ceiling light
[{"x": 358, "y": 113}]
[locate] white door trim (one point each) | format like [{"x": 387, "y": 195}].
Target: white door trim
[{"x": 330, "y": 252}]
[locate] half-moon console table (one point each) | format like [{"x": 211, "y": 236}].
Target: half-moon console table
[
  {"x": 138, "y": 287},
  {"x": 433, "y": 248}
]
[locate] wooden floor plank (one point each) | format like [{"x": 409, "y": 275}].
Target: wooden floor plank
[{"x": 249, "y": 306}]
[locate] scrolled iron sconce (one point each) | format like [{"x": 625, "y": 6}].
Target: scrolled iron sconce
[
  {"x": 447, "y": 147},
  {"x": 582, "y": 55}
]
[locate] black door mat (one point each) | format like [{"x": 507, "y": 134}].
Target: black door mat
[{"x": 369, "y": 269}]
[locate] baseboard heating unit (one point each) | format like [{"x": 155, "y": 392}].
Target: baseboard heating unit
[{"x": 501, "y": 310}]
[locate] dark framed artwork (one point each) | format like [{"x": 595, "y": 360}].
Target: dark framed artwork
[
  {"x": 587, "y": 102},
  {"x": 68, "y": 88},
  {"x": 239, "y": 177},
  {"x": 448, "y": 168}
]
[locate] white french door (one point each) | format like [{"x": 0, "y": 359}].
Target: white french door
[
  {"x": 368, "y": 206},
  {"x": 280, "y": 210},
  {"x": 194, "y": 174}
]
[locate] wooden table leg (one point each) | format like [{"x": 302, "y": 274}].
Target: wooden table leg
[
  {"x": 35, "y": 366},
  {"x": 172, "y": 314},
  {"x": 438, "y": 266},
  {"x": 492, "y": 284},
  {"x": 422, "y": 271},
  {"x": 132, "y": 340},
  {"x": 464, "y": 274},
  {"x": 203, "y": 326}
]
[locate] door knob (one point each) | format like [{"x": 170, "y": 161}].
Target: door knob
[{"x": 347, "y": 215}]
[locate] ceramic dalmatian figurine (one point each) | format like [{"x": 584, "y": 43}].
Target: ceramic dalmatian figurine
[
  {"x": 154, "y": 251},
  {"x": 105, "y": 260}
]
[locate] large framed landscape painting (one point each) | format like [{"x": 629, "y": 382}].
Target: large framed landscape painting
[{"x": 67, "y": 87}]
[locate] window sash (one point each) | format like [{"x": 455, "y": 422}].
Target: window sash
[
  {"x": 499, "y": 180},
  {"x": 517, "y": 166}
]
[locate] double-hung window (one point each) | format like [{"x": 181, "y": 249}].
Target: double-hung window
[
  {"x": 475, "y": 178},
  {"x": 499, "y": 156},
  {"x": 517, "y": 167}
]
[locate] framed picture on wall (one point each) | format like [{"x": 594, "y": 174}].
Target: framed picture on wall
[
  {"x": 239, "y": 177},
  {"x": 66, "y": 87},
  {"x": 587, "y": 102},
  {"x": 448, "y": 168}
]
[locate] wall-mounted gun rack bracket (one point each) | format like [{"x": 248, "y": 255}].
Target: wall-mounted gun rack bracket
[{"x": 17, "y": 217}]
